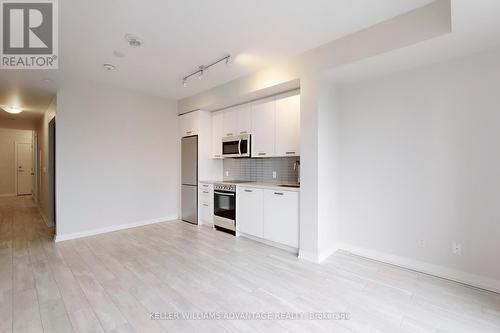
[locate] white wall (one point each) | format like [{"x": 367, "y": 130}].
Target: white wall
[
  {"x": 328, "y": 171},
  {"x": 8, "y": 139},
  {"x": 116, "y": 160},
  {"x": 420, "y": 159},
  {"x": 43, "y": 150}
]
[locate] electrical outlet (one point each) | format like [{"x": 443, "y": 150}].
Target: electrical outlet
[
  {"x": 227, "y": 173},
  {"x": 456, "y": 248},
  {"x": 421, "y": 243},
  {"x": 274, "y": 174}
]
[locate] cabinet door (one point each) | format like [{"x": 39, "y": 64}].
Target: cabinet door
[
  {"x": 244, "y": 119},
  {"x": 217, "y": 119},
  {"x": 263, "y": 131},
  {"x": 288, "y": 126},
  {"x": 188, "y": 124},
  {"x": 281, "y": 217},
  {"x": 206, "y": 213},
  {"x": 230, "y": 122},
  {"x": 249, "y": 211}
]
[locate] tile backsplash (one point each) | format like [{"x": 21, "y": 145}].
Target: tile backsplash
[{"x": 261, "y": 169}]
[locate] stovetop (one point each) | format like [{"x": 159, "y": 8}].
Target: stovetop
[{"x": 229, "y": 185}]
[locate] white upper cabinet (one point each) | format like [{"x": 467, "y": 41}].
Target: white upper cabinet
[
  {"x": 230, "y": 122},
  {"x": 288, "y": 126},
  {"x": 189, "y": 124},
  {"x": 244, "y": 119},
  {"x": 273, "y": 122},
  {"x": 237, "y": 120},
  {"x": 263, "y": 128},
  {"x": 217, "y": 133}
]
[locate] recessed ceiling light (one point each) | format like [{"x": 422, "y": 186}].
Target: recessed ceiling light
[
  {"x": 109, "y": 67},
  {"x": 133, "y": 40},
  {"x": 46, "y": 80},
  {"x": 119, "y": 54},
  {"x": 12, "y": 109}
]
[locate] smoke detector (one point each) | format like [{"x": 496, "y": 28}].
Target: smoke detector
[
  {"x": 133, "y": 40},
  {"x": 109, "y": 67}
]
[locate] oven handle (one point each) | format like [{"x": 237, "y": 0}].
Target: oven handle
[
  {"x": 221, "y": 193},
  {"x": 239, "y": 147}
]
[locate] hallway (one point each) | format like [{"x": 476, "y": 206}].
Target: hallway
[{"x": 22, "y": 236}]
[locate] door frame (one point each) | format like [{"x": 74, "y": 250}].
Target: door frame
[
  {"x": 15, "y": 165},
  {"x": 34, "y": 151},
  {"x": 51, "y": 163}
]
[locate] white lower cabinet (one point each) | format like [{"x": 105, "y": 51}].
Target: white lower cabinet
[
  {"x": 281, "y": 217},
  {"x": 249, "y": 211},
  {"x": 268, "y": 214},
  {"x": 206, "y": 204},
  {"x": 207, "y": 213}
]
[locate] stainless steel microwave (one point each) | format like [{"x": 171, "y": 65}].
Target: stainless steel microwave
[{"x": 237, "y": 146}]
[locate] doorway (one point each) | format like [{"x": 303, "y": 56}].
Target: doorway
[
  {"x": 52, "y": 172},
  {"x": 24, "y": 168}
]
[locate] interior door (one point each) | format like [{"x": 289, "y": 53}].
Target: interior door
[{"x": 24, "y": 168}]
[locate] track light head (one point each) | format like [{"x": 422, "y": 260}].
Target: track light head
[{"x": 202, "y": 72}]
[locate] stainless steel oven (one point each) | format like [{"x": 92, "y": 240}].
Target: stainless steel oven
[
  {"x": 225, "y": 207},
  {"x": 237, "y": 146}
]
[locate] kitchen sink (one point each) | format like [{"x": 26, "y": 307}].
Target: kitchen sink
[{"x": 290, "y": 185}]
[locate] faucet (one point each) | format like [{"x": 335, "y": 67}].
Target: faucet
[{"x": 296, "y": 166}]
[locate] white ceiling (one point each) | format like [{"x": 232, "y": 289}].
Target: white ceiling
[
  {"x": 27, "y": 90},
  {"x": 475, "y": 28},
  {"x": 181, "y": 35}
]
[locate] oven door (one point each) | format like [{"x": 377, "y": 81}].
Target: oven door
[{"x": 225, "y": 209}]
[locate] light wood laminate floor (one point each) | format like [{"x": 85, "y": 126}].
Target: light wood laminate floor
[{"x": 113, "y": 282}]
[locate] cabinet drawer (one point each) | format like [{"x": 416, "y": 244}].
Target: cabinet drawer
[
  {"x": 206, "y": 195},
  {"x": 206, "y": 186}
]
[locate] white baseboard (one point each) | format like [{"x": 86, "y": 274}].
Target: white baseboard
[
  {"x": 328, "y": 252},
  {"x": 309, "y": 256},
  {"x": 61, "y": 238},
  {"x": 427, "y": 268},
  {"x": 318, "y": 257},
  {"x": 8, "y": 195},
  {"x": 44, "y": 218}
]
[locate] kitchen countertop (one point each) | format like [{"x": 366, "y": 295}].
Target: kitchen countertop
[
  {"x": 272, "y": 186},
  {"x": 209, "y": 181},
  {"x": 265, "y": 185}
]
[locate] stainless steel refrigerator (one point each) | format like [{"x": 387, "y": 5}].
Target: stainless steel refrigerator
[{"x": 189, "y": 177}]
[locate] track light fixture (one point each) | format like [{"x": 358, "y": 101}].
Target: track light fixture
[{"x": 202, "y": 69}]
